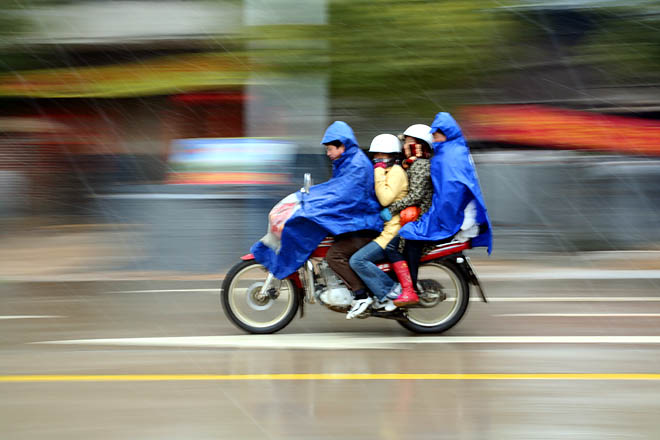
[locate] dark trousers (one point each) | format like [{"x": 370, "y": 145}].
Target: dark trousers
[{"x": 346, "y": 245}]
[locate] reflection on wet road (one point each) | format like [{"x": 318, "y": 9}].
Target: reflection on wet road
[{"x": 158, "y": 359}]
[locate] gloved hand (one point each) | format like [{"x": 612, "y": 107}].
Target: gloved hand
[
  {"x": 460, "y": 237},
  {"x": 380, "y": 165},
  {"x": 386, "y": 215},
  {"x": 466, "y": 234},
  {"x": 410, "y": 214},
  {"x": 408, "y": 162}
]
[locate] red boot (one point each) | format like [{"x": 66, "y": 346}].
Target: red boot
[{"x": 408, "y": 295}]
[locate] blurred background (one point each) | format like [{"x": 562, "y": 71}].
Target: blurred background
[{"x": 154, "y": 136}]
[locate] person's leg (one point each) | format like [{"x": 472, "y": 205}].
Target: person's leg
[
  {"x": 362, "y": 263},
  {"x": 412, "y": 253},
  {"x": 337, "y": 259},
  {"x": 405, "y": 269},
  {"x": 393, "y": 256},
  {"x": 392, "y": 250}
]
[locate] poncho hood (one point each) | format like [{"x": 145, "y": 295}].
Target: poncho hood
[
  {"x": 342, "y": 132},
  {"x": 448, "y": 126}
]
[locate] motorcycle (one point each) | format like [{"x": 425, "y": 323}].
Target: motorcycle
[{"x": 257, "y": 302}]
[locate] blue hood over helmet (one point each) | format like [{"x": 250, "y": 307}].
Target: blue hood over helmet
[
  {"x": 342, "y": 132},
  {"x": 345, "y": 203},
  {"x": 455, "y": 184}
]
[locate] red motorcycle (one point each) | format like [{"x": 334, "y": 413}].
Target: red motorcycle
[{"x": 257, "y": 302}]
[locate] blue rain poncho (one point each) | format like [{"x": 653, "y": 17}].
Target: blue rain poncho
[
  {"x": 345, "y": 203},
  {"x": 455, "y": 184}
]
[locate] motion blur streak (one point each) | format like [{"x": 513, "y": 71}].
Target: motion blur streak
[{"x": 339, "y": 376}]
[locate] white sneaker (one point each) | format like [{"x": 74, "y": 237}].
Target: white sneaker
[
  {"x": 386, "y": 304},
  {"x": 395, "y": 292},
  {"x": 359, "y": 306}
]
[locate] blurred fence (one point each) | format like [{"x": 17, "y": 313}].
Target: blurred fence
[
  {"x": 539, "y": 201},
  {"x": 568, "y": 201}
]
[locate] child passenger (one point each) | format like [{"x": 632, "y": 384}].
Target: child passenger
[
  {"x": 417, "y": 149},
  {"x": 391, "y": 185}
]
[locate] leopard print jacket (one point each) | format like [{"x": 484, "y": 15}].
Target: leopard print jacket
[{"x": 420, "y": 188}]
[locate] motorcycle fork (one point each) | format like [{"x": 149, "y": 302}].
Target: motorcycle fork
[{"x": 307, "y": 274}]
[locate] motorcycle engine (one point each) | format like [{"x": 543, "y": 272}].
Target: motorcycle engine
[
  {"x": 334, "y": 293},
  {"x": 339, "y": 296}
]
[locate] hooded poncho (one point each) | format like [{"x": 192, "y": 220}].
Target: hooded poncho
[
  {"x": 345, "y": 203},
  {"x": 455, "y": 184}
]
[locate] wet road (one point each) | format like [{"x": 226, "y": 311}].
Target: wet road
[{"x": 576, "y": 359}]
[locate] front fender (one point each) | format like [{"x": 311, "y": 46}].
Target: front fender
[{"x": 293, "y": 277}]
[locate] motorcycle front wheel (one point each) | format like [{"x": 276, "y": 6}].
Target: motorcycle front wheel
[
  {"x": 245, "y": 306},
  {"x": 448, "y": 295}
]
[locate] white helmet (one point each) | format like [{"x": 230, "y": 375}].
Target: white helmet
[
  {"x": 385, "y": 143},
  {"x": 420, "y": 131}
]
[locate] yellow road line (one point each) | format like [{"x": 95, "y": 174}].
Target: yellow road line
[{"x": 293, "y": 377}]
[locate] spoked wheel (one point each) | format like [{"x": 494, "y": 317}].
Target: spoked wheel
[
  {"x": 248, "y": 308},
  {"x": 447, "y": 298}
]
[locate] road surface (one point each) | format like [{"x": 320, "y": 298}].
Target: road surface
[{"x": 563, "y": 358}]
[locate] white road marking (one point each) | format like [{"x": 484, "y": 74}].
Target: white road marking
[
  {"x": 577, "y": 274},
  {"x": 473, "y": 299},
  {"x": 167, "y": 291},
  {"x": 570, "y": 299},
  {"x": 30, "y": 316},
  {"x": 583, "y": 315},
  {"x": 348, "y": 341}
]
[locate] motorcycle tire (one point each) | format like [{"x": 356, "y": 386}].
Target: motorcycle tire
[
  {"x": 423, "y": 320},
  {"x": 248, "y": 311}
]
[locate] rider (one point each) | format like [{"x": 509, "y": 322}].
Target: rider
[
  {"x": 342, "y": 148},
  {"x": 417, "y": 149},
  {"x": 458, "y": 210},
  {"x": 345, "y": 206},
  {"x": 391, "y": 185}
]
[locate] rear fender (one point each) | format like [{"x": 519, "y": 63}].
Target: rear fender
[
  {"x": 463, "y": 263},
  {"x": 474, "y": 279}
]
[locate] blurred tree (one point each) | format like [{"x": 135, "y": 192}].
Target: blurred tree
[
  {"x": 626, "y": 43},
  {"x": 393, "y": 57},
  {"x": 619, "y": 39},
  {"x": 414, "y": 56},
  {"x": 15, "y": 54}
]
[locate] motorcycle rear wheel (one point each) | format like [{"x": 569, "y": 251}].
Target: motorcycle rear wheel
[
  {"x": 444, "y": 315},
  {"x": 244, "y": 307}
]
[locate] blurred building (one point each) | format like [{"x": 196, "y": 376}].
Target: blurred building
[
  {"x": 122, "y": 91},
  {"x": 598, "y": 189},
  {"x": 550, "y": 65},
  {"x": 124, "y": 80},
  {"x": 161, "y": 114}
]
